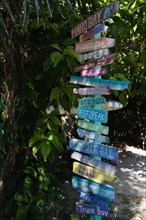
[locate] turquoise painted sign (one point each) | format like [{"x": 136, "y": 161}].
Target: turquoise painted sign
[
  {"x": 100, "y": 150},
  {"x": 93, "y": 126},
  {"x": 101, "y": 191},
  {"x": 91, "y": 101},
  {"x": 96, "y": 115},
  {"x": 112, "y": 84}
]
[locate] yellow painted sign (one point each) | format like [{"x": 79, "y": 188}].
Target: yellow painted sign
[{"x": 92, "y": 173}]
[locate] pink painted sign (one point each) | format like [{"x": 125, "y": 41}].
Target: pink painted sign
[
  {"x": 108, "y": 59},
  {"x": 95, "y": 19},
  {"x": 95, "y": 72},
  {"x": 94, "y": 44},
  {"x": 100, "y": 90},
  {"x": 88, "y": 34}
]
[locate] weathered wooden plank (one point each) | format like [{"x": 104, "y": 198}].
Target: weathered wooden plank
[
  {"x": 94, "y": 200},
  {"x": 101, "y": 191},
  {"x": 94, "y": 44},
  {"x": 95, "y": 19},
  {"x": 92, "y": 135},
  {"x": 83, "y": 208},
  {"x": 112, "y": 105},
  {"x": 112, "y": 84},
  {"x": 93, "y": 55},
  {"x": 93, "y": 126},
  {"x": 108, "y": 59},
  {"x": 92, "y": 73},
  {"x": 97, "y": 115},
  {"x": 91, "y": 173},
  {"x": 93, "y": 162},
  {"x": 88, "y": 34},
  {"x": 100, "y": 90},
  {"x": 100, "y": 150}
]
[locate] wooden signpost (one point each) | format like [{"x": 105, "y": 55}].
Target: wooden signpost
[
  {"x": 99, "y": 28},
  {"x": 100, "y": 90},
  {"x": 93, "y": 110},
  {"x": 93, "y": 55},
  {"x": 112, "y": 84},
  {"x": 95, "y": 44},
  {"x": 93, "y": 162},
  {"x": 107, "y": 193},
  {"x": 95, "y": 19},
  {"x": 92, "y": 173}
]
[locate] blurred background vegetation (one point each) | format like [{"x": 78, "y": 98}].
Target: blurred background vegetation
[{"x": 37, "y": 58}]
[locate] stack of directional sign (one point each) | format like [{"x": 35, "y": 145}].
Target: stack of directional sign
[{"x": 91, "y": 151}]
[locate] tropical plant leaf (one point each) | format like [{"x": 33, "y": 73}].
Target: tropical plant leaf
[{"x": 45, "y": 149}]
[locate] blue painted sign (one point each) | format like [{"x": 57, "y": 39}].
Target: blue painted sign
[
  {"x": 91, "y": 101},
  {"x": 93, "y": 162},
  {"x": 100, "y": 150},
  {"x": 97, "y": 115},
  {"x": 112, "y": 84},
  {"x": 93, "y": 54},
  {"x": 83, "y": 208},
  {"x": 112, "y": 105},
  {"x": 93, "y": 126},
  {"x": 92, "y": 135},
  {"x": 94, "y": 200},
  {"x": 101, "y": 191}
]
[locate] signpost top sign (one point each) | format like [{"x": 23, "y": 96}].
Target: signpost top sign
[{"x": 95, "y": 19}]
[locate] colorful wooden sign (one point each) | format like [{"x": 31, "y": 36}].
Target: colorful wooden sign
[
  {"x": 97, "y": 115},
  {"x": 93, "y": 126},
  {"x": 95, "y": 19},
  {"x": 91, "y": 101},
  {"x": 93, "y": 162},
  {"x": 100, "y": 90},
  {"x": 100, "y": 150},
  {"x": 112, "y": 105},
  {"x": 92, "y": 73},
  {"x": 83, "y": 208},
  {"x": 101, "y": 191},
  {"x": 99, "y": 28},
  {"x": 94, "y": 200},
  {"x": 108, "y": 59},
  {"x": 91, "y": 173},
  {"x": 112, "y": 84},
  {"x": 92, "y": 135},
  {"x": 93, "y": 55},
  {"x": 94, "y": 44}
]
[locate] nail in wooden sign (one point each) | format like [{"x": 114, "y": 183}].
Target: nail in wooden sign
[
  {"x": 95, "y": 19},
  {"x": 91, "y": 161},
  {"x": 97, "y": 115},
  {"x": 92, "y": 135},
  {"x": 88, "y": 34},
  {"x": 91, "y": 173},
  {"x": 94, "y": 200},
  {"x": 91, "y": 101},
  {"x": 112, "y": 84},
  {"x": 93, "y": 55},
  {"x": 94, "y": 72},
  {"x": 108, "y": 59},
  {"x": 99, "y": 190},
  {"x": 112, "y": 105},
  {"x": 100, "y": 150},
  {"x": 83, "y": 208},
  {"x": 94, "y": 44},
  {"x": 100, "y": 90},
  {"x": 93, "y": 126}
]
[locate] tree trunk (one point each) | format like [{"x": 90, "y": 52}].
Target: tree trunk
[{"x": 9, "y": 109}]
